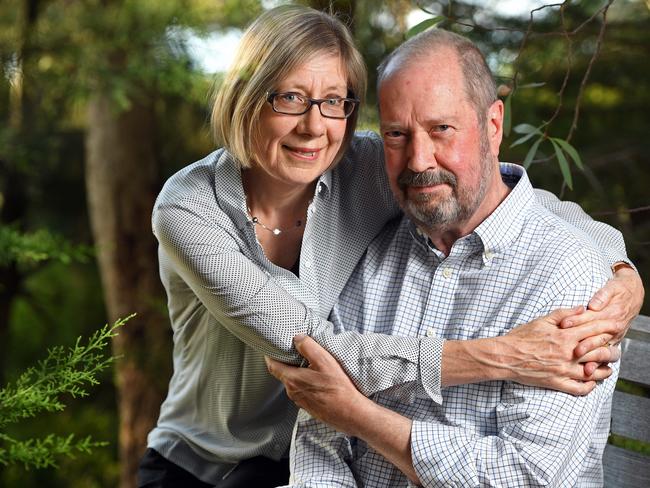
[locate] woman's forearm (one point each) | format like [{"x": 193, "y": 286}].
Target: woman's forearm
[{"x": 538, "y": 354}]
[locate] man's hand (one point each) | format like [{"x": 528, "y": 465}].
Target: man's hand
[
  {"x": 614, "y": 305},
  {"x": 541, "y": 353},
  {"x": 323, "y": 388},
  {"x": 326, "y": 392}
]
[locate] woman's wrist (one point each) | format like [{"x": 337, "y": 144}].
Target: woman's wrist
[{"x": 473, "y": 361}]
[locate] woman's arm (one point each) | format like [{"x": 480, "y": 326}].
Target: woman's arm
[
  {"x": 249, "y": 302},
  {"x": 255, "y": 308},
  {"x": 620, "y": 300}
]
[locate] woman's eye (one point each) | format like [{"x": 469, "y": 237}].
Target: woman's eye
[
  {"x": 290, "y": 98},
  {"x": 333, "y": 101}
]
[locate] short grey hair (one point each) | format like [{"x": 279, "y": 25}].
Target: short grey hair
[{"x": 480, "y": 86}]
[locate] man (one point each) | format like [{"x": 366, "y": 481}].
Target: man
[{"x": 475, "y": 253}]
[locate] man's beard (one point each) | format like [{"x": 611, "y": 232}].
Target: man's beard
[{"x": 434, "y": 212}]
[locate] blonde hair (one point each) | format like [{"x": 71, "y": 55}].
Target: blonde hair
[{"x": 275, "y": 44}]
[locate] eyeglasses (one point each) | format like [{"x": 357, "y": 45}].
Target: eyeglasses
[{"x": 294, "y": 104}]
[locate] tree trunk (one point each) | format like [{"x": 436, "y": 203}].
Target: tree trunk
[{"x": 121, "y": 183}]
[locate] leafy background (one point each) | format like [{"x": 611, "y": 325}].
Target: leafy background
[{"x": 59, "y": 56}]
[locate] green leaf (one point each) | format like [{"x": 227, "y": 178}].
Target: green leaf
[
  {"x": 531, "y": 153},
  {"x": 424, "y": 25},
  {"x": 564, "y": 164},
  {"x": 571, "y": 151},
  {"x": 526, "y": 129},
  {"x": 521, "y": 140},
  {"x": 507, "y": 115},
  {"x": 532, "y": 85}
]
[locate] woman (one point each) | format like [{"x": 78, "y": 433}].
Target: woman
[{"x": 295, "y": 193}]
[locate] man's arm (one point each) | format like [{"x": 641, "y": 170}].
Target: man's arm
[
  {"x": 341, "y": 406},
  {"x": 320, "y": 456},
  {"x": 539, "y": 432},
  {"x": 538, "y": 429}
]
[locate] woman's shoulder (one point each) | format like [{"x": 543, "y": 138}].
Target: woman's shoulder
[
  {"x": 365, "y": 154},
  {"x": 366, "y": 144},
  {"x": 191, "y": 181}
]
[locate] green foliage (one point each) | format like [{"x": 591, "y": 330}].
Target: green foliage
[
  {"x": 425, "y": 25},
  {"x": 560, "y": 146},
  {"x": 42, "y": 453},
  {"x": 65, "y": 371},
  {"x": 41, "y": 245}
]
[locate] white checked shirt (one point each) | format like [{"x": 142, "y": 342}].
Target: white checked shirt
[{"x": 520, "y": 263}]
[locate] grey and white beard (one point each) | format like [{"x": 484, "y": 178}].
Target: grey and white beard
[{"x": 457, "y": 207}]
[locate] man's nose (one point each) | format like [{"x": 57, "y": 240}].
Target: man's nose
[{"x": 422, "y": 154}]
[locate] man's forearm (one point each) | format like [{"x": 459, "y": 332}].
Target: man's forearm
[{"x": 388, "y": 433}]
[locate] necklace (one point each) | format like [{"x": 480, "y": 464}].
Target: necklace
[{"x": 276, "y": 231}]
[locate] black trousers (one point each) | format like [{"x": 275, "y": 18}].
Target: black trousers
[{"x": 155, "y": 471}]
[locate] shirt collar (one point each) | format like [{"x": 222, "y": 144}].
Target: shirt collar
[
  {"x": 497, "y": 232},
  {"x": 501, "y": 228},
  {"x": 229, "y": 191}
]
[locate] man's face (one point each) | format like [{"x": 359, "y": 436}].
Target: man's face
[{"x": 439, "y": 156}]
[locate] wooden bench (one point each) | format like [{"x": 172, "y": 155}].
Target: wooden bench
[{"x": 631, "y": 413}]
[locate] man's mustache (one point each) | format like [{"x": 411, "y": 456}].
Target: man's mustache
[{"x": 426, "y": 178}]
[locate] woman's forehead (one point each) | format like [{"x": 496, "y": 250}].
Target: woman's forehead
[{"x": 326, "y": 70}]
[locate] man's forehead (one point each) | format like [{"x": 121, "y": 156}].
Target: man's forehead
[{"x": 438, "y": 59}]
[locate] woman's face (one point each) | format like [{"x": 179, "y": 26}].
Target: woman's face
[{"x": 297, "y": 149}]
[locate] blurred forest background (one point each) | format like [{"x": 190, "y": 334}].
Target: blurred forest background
[{"x": 102, "y": 100}]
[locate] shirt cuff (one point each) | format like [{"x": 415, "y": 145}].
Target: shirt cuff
[
  {"x": 430, "y": 372},
  {"x": 439, "y": 455}
]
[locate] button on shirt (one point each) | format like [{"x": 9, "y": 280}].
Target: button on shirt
[{"x": 520, "y": 263}]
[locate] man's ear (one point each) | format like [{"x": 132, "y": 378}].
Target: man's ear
[{"x": 494, "y": 126}]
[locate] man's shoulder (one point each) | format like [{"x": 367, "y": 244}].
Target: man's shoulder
[
  {"x": 392, "y": 243},
  {"x": 555, "y": 242}
]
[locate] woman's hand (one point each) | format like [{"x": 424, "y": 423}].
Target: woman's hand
[
  {"x": 615, "y": 305},
  {"x": 542, "y": 354}
]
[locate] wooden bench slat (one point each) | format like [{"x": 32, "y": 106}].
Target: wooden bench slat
[
  {"x": 635, "y": 361},
  {"x": 631, "y": 413},
  {"x": 625, "y": 468},
  {"x": 641, "y": 324},
  {"x": 631, "y": 416}
]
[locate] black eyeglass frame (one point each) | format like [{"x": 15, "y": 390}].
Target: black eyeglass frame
[{"x": 270, "y": 97}]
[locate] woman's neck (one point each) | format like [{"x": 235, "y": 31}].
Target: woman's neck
[
  {"x": 273, "y": 197},
  {"x": 277, "y": 206}
]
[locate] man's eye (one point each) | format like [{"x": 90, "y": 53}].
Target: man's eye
[
  {"x": 393, "y": 134},
  {"x": 441, "y": 128}
]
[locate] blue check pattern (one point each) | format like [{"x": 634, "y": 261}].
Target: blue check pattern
[{"x": 520, "y": 263}]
